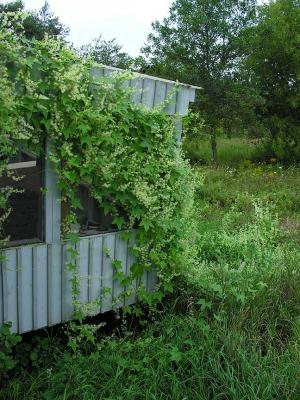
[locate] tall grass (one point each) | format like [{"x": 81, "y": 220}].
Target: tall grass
[
  {"x": 231, "y": 152},
  {"x": 230, "y": 331}
]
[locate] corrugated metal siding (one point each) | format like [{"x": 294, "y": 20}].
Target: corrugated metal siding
[
  {"x": 151, "y": 91},
  {"x": 35, "y": 282}
]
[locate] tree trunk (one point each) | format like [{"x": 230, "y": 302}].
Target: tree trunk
[{"x": 214, "y": 150}]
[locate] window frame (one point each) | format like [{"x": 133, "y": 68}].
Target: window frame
[{"x": 40, "y": 164}]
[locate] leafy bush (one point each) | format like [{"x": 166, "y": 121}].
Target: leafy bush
[
  {"x": 272, "y": 61},
  {"x": 8, "y": 341}
]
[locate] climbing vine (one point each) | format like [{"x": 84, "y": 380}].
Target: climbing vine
[{"x": 126, "y": 154}]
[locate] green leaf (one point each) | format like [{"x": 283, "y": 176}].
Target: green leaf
[
  {"x": 175, "y": 354},
  {"x": 146, "y": 224},
  {"x": 119, "y": 221},
  {"x": 117, "y": 264},
  {"x": 205, "y": 305}
]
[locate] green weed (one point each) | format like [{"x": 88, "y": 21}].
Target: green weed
[
  {"x": 230, "y": 331},
  {"x": 231, "y": 328}
]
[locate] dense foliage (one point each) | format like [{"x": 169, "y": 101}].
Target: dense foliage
[
  {"x": 230, "y": 330},
  {"x": 272, "y": 49},
  {"x": 35, "y": 24},
  {"x": 107, "y": 52},
  {"x": 199, "y": 43},
  {"x": 128, "y": 155},
  {"x": 245, "y": 57}
]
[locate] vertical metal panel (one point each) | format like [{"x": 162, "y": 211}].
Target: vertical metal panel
[
  {"x": 131, "y": 259},
  {"x": 54, "y": 284},
  {"x": 107, "y": 72},
  {"x": 49, "y": 183},
  {"x": 151, "y": 86},
  {"x": 183, "y": 99},
  {"x": 171, "y": 98},
  {"x": 25, "y": 294},
  {"x": 120, "y": 255},
  {"x": 95, "y": 270},
  {"x": 10, "y": 293},
  {"x": 67, "y": 299},
  {"x": 137, "y": 86},
  {"x": 83, "y": 269},
  {"x": 108, "y": 257},
  {"x": 37, "y": 289},
  {"x": 160, "y": 92},
  {"x": 97, "y": 72},
  {"x": 40, "y": 295},
  {"x": 52, "y": 200},
  {"x": 152, "y": 280},
  {"x": 142, "y": 282},
  {"x": 148, "y": 92},
  {"x": 192, "y": 94},
  {"x": 178, "y": 128},
  {"x": 126, "y": 84}
]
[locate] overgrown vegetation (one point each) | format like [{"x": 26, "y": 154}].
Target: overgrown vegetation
[
  {"x": 272, "y": 59},
  {"x": 230, "y": 329},
  {"x": 126, "y": 154},
  {"x": 231, "y": 152},
  {"x": 35, "y": 24}
]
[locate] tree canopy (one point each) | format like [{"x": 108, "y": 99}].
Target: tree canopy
[
  {"x": 35, "y": 24},
  {"x": 106, "y": 52},
  {"x": 199, "y": 43},
  {"x": 272, "y": 49}
]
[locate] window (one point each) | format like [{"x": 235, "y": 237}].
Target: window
[
  {"x": 25, "y": 222},
  {"x": 91, "y": 218}
]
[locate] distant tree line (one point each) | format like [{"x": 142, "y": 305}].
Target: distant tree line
[
  {"x": 35, "y": 24},
  {"x": 244, "y": 56}
]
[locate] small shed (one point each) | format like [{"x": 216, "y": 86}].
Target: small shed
[{"x": 35, "y": 285}]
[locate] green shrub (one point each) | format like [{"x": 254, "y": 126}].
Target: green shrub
[{"x": 8, "y": 341}]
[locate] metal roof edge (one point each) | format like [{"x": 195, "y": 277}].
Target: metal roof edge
[{"x": 155, "y": 78}]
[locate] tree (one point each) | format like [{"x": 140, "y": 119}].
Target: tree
[
  {"x": 35, "y": 24},
  {"x": 199, "y": 43},
  {"x": 273, "y": 66},
  {"x": 106, "y": 52}
]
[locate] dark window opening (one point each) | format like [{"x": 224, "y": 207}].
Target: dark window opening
[
  {"x": 25, "y": 223},
  {"x": 91, "y": 217}
]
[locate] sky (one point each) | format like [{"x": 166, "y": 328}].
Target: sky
[{"x": 129, "y": 21}]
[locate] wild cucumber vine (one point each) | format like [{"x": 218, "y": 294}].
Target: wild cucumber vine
[{"x": 126, "y": 154}]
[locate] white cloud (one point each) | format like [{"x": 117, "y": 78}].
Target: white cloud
[{"x": 129, "y": 21}]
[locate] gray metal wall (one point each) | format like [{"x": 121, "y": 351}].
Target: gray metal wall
[
  {"x": 35, "y": 284},
  {"x": 151, "y": 91}
]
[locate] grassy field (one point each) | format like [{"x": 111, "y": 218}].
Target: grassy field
[
  {"x": 230, "y": 331},
  {"x": 231, "y": 152}
]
